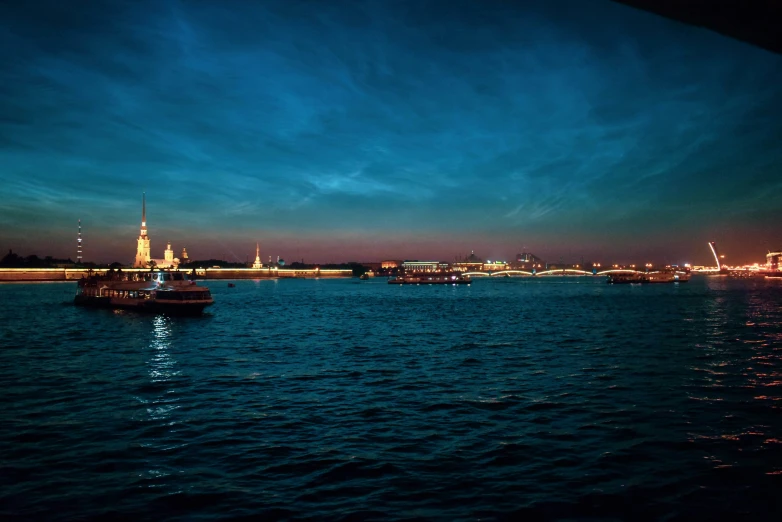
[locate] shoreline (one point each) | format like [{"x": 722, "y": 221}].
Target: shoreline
[{"x": 33, "y": 275}]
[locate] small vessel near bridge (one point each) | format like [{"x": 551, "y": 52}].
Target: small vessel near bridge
[
  {"x": 624, "y": 278},
  {"x": 435, "y": 278},
  {"x": 158, "y": 292},
  {"x": 667, "y": 277},
  {"x": 664, "y": 276}
]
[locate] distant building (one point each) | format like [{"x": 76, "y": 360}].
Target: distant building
[
  {"x": 527, "y": 261},
  {"x": 390, "y": 264},
  {"x": 471, "y": 263},
  {"x": 425, "y": 266},
  {"x": 495, "y": 265},
  {"x": 168, "y": 255},
  {"x": 184, "y": 257},
  {"x": 168, "y": 261},
  {"x": 772, "y": 259}
]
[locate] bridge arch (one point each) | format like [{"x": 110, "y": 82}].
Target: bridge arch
[
  {"x": 511, "y": 273},
  {"x": 564, "y": 271}
]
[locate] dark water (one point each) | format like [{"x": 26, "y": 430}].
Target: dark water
[{"x": 345, "y": 400}]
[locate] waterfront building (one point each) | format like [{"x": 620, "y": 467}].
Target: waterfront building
[
  {"x": 390, "y": 263},
  {"x": 168, "y": 261},
  {"x": 527, "y": 261},
  {"x": 471, "y": 263},
  {"x": 168, "y": 255},
  {"x": 257, "y": 263},
  {"x": 772, "y": 259},
  {"x": 495, "y": 265},
  {"x": 425, "y": 266},
  {"x": 183, "y": 257},
  {"x": 142, "y": 250}
]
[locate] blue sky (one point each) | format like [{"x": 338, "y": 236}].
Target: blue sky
[{"x": 336, "y": 131}]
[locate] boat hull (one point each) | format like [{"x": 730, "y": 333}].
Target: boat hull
[
  {"x": 159, "y": 292},
  {"x": 189, "y": 308},
  {"x": 431, "y": 279},
  {"x": 649, "y": 278},
  {"x": 457, "y": 282},
  {"x": 624, "y": 279}
]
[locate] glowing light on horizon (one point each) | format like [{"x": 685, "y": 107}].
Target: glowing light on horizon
[{"x": 714, "y": 251}]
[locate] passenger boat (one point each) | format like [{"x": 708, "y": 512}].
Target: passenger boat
[
  {"x": 435, "y": 278},
  {"x": 681, "y": 277},
  {"x": 160, "y": 292},
  {"x": 665, "y": 276},
  {"x": 624, "y": 278}
]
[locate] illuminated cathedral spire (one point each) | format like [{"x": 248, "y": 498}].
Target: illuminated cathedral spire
[
  {"x": 143, "y": 214},
  {"x": 257, "y": 263},
  {"x": 143, "y": 249}
]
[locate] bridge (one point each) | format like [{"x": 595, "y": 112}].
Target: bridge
[{"x": 555, "y": 272}]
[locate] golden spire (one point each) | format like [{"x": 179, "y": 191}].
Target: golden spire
[{"x": 143, "y": 214}]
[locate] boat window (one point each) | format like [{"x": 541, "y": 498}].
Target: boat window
[{"x": 183, "y": 296}]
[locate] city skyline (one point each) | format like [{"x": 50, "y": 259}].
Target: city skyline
[
  {"x": 365, "y": 131},
  {"x": 144, "y": 252}
]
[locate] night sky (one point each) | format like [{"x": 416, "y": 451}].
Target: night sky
[{"x": 368, "y": 130}]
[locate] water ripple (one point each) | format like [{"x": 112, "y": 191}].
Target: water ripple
[{"x": 331, "y": 400}]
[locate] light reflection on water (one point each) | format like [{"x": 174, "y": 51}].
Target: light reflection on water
[
  {"x": 162, "y": 368},
  {"x": 739, "y": 358},
  {"x": 163, "y": 372}
]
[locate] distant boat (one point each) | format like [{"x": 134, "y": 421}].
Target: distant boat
[
  {"x": 231, "y": 285},
  {"x": 624, "y": 278},
  {"x": 363, "y": 277},
  {"x": 665, "y": 276},
  {"x": 681, "y": 277},
  {"x": 436, "y": 278}
]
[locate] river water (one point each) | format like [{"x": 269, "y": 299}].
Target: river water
[{"x": 551, "y": 399}]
